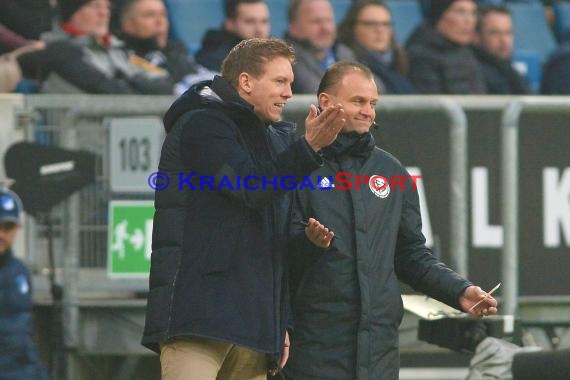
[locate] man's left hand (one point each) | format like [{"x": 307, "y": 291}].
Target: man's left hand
[
  {"x": 284, "y": 356},
  {"x": 474, "y": 294}
]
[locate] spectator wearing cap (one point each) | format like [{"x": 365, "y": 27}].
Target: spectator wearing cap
[
  {"x": 441, "y": 59},
  {"x": 84, "y": 57},
  {"x": 144, "y": 29},
  {"x": 494, "y": 49},
  {"x": 18, "y": 356}
]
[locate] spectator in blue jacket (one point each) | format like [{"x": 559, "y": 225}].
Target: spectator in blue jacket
[{"x": 18, "y": 356}]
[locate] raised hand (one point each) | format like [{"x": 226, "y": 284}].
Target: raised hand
[{"x": 321, "y": 129}]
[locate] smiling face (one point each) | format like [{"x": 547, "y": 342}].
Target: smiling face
[
  {"x": 358, "y": 95},
  {"x": 269, "y": 91},
  {"x": 93, "y": 18}
]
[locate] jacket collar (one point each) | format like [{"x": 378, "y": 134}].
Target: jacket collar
[
  {"x": 75, "y": 32},
  {"x": 228, "y": 93},
  {"x": 140, "y": 45}
]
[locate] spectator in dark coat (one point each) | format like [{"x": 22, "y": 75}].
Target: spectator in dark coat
[
  {"x": 556, "y": 75},
  {"x": 312, "y": 32},
  {"x": 367, "y": 30},
  {"x": 144, "y": 29},
  {"x": 441, "y": 60},
  {"x": 244, "y": 19},
  {"x": 494, "y": 49},
  {"x": 83, "y": 57}
]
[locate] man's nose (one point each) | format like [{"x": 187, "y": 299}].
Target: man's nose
[
  {"x": 288, "y": 92},
  {"x": 368, "y": 110}
]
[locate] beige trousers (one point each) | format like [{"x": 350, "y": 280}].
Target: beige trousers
[{"x": 208, "y": 359}]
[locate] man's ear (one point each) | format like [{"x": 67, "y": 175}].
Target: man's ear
[
  {"x": 229, "y": 25},
  {"x": 244, "y": 83},
  {"x": 324, "y": 100}
]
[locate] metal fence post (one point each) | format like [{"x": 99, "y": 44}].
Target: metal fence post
[
  {"x": 459, "y": 209},
  {"x": 509, "y": 205}
]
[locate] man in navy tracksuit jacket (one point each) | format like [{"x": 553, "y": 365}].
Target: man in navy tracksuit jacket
[
  {"x": 345, "y": 293},
  {"x": 18, "y": 357}
]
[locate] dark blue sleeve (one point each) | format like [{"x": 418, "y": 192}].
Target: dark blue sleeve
[
  {"x": 413, "y": 261},
  {"x": 211, "y": 147}
]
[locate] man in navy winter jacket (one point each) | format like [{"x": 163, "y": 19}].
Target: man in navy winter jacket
[{"x": 218, "y": 299}]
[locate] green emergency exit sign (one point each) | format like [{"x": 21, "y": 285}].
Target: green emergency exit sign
[{"x": 130, "y": 238}]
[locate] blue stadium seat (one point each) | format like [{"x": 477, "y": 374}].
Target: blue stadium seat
[
  {"x": 529, "y": 64},
  {"x": 532, "y": 33},
  {"x": 189, "y": 20},
  {"x": 406, "y": 16},
  {"x": 278, "y": 14},
  {"x": 340, "y": 7},
  {"x": 562, "y": 19}
]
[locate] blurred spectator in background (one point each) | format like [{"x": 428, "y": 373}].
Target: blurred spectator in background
[
  {"x": 441, "y": 60},
  {"x": 367, "y": 30},
  {"x": 556, "y": 73},
  {"x": 494, "y": 49},
  {"x": 312, "y": 32},
  {"x": 144, "y": 29},
  {"x": 83, "y": 57},
  {"x": 28, "y": 18},
  {"x": 18, "y": 356},
  {"x": 244, "y": 19}
]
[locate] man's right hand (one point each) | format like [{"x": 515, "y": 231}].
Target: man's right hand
[
  {"x": 318, "y": 234},
  {"x": 321, "y": 130}
]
